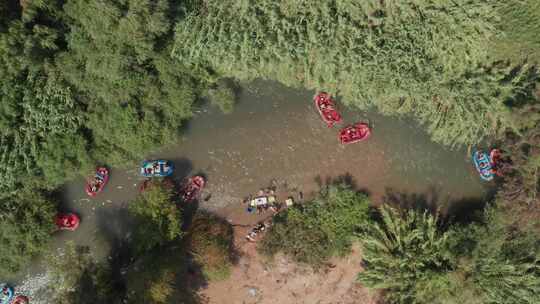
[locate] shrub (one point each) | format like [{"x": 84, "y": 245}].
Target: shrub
[
  {"x": 313, "y": 232},
  {"x": 210, "y": 242}
]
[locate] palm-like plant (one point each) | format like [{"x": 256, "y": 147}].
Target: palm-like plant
[{"x": 405, "y": 254}]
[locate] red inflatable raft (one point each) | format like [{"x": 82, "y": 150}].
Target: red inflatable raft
[
  {"x": 96, "y": 185},
  {"x": 67, "y": 221},
  {"x": 327, "y": 109},
  {"x": 354, "y": 133},
  {"x": 192, "y": 188},
  {"x": 20, "y": 299}
]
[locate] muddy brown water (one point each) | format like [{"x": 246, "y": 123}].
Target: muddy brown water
[{"x": 276, "y": 136}]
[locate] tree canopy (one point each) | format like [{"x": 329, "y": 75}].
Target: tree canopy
[
  {"x": 26, "y": 222},
  {"x": 159, "y": 218},
  {"x": 313, "y": 232}
]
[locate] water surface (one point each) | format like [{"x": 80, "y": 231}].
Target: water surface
[{"x": 276, "y": 136}]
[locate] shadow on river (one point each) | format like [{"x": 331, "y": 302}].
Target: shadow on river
[{"x": 275, "y": 134}]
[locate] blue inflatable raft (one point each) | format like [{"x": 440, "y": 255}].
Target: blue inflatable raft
[
  {"x": 482, "y": 162},
  {"x": 156, "y": 168},
  {"x": 6, "y": 294}
]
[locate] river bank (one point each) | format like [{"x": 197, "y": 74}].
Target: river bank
[{"x": 275, "y": 137}]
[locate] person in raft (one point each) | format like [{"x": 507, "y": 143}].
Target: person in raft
[
  {"x": 96, "y": 183},
  {"x": 94, "y": 187},
  {"x": 5, "y": 290},
  {"x": 66, "y": 222}
]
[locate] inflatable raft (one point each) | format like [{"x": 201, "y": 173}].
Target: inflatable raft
[
  {"x": 20, "y": 299},
  {"x": 358, "y": 132},
  {"x": 192, "y": 188},
  {"x": 67, "y": 221},
  {"x": 156, "y": 168},
  {"x": 327, "y": 109},
  {"x": 96, "y": 185},
  {"x": 482, "y": 162},
  {"x": 6, "y": 294}
]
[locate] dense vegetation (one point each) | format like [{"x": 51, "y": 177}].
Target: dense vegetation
[
  {"x": 414, "y": 260},
  {"x": 210, "y": 242},
  {"x": 424, "y": 58},
  {"x": 313, "y": 232},
  {"x": 83, "y": 82},
  {"x": 76, "y": 91},
  {"x": 90, "y": 81},
  {"x": 519, "y": 39},
  {"x": 26, "y": 214},
  {"x": 406, "y": 255},
  {"x": 159, "y": 220}
]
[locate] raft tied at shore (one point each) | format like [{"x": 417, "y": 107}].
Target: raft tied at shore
[
  {"x": 327, "y": 109},
  {"x": 482, "y": 162}
]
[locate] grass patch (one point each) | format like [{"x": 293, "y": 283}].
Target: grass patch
[{"x": 520, "y": 22}]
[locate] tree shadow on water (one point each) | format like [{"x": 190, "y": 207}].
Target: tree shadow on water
[
  {"x": 464, "y": 210},
  {"x": 182, "y": 168},
  {"x": 115, "y": 226},
  {"x": 429, "y": 200},
  {"x": 344, "y": 179}
]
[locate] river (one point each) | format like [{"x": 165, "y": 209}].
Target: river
[{"x": 275, "y": 135}]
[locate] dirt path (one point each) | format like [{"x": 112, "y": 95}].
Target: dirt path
[{"x": 255, "y": 280}]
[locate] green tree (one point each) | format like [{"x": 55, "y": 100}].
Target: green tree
[
  {"x": 120, "y": 64},
  {"x": 159, "y": 220},
  {"x": 37, "y": 107},
  {"x": 407, "y": 256},
  {"x": 313, "y": 232}
]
